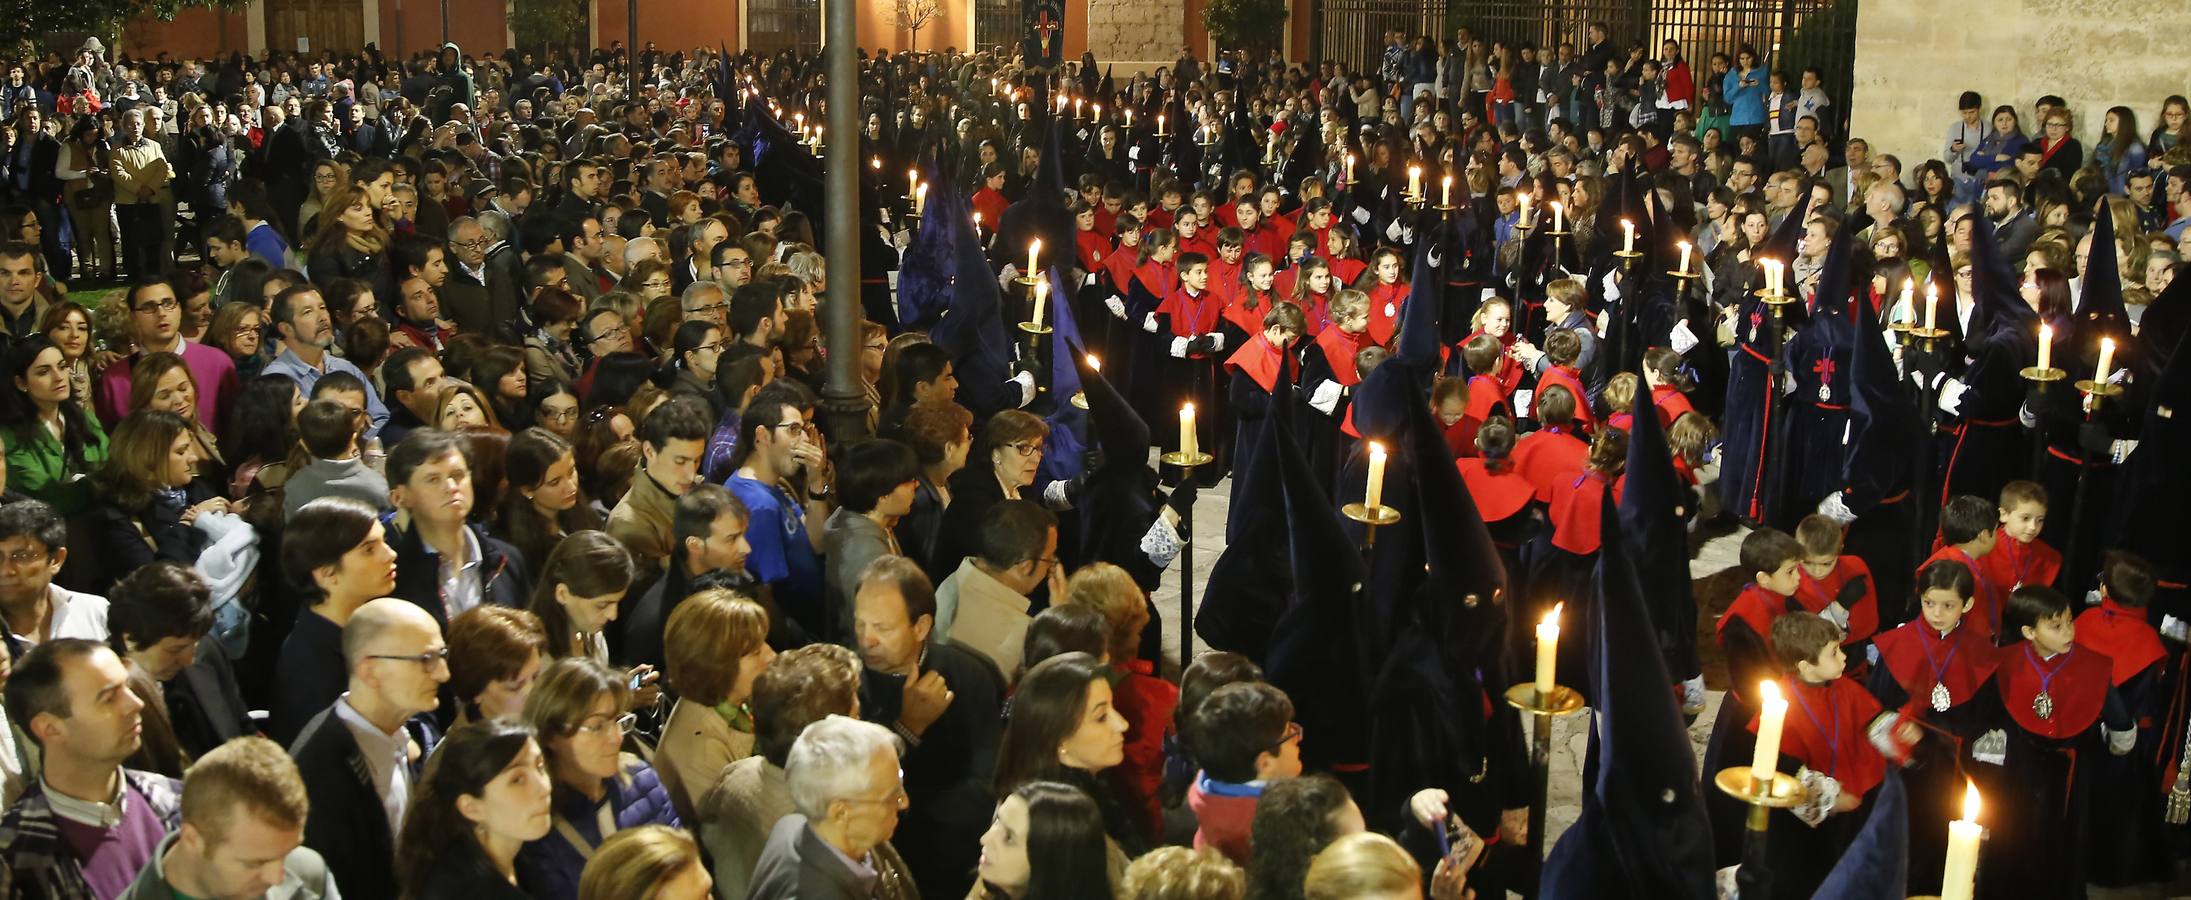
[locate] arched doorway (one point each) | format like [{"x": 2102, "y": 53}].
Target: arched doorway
[{"x": 337, "y": 25}]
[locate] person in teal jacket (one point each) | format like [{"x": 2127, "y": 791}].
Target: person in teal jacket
[{"x": 52, "y": 443}]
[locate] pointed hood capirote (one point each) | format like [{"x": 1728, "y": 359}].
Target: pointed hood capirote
[
  {"x": 1651, "y": 514},
  {"x": 1642, "y": 831}
]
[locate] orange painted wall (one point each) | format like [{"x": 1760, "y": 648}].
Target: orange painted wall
[
  {"x": 476, "y": 25},
  {"x": 194, "y": 33},
  {"x": 672, "y": 24}
]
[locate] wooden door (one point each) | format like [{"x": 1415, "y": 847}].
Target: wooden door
[{"x": 337, "y": 25}]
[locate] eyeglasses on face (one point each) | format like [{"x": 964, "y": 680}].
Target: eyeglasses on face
[
  {"x": 168, "y": 305},
  {"x": 600, "y": 725},
  {"x": 1026, "y": 448},
  {"x": 429, "y": 659}
]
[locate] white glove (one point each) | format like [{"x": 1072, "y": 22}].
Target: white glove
[
  {"x": 1522, "y": 400},
  {"x": 1605, "y": 322},
  {"x": 1134, "y": 153},
  {"x": 1148, "y": 323},
  {"x": 1326, "y": 397},
  {"x": 1026, "y": 382},
  {"x": 2175, "y": 628},
  {"x": 1833, "y": 507},
  {"x": 1991, "y": 747},
  {"x": 2122, "y": 449},
  {"x": 1361, "y": 216},
  {"x": 1117, "y": 306},
  {"x": 1822, "y": 792},
  {"x": 1692, "y": 695},
  {"x": 1179, "y": 347},
  {"x": 1217, "y": 341},
  {"x": 1393, "y": 230},
  {"x": 2120, "y": 743},
  {"x": 2027, "y": 418},
  {"x": 1838, "y": 615},
  {"x": 1951, "y": 396},
  {"x": 1681, "y": 338},
  {"x": 1088, "y": 281},
  {"x": 1611, "y": 285}
]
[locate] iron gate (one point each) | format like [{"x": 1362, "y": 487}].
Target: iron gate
[
  {"x": 775, "y": 25},
  {"x": 997, "y": 24},
  {"x": 1788, "y": 34},
  {"x": 1353, "y": 31}
]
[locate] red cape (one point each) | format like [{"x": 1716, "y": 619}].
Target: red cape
[
  {"x": 1545, "y": 457},
  {"x": 1671, "y": 404},
  {"x": 1816, "y": 595},
  {"x": 2078, "y": 688},
  {"x": 1345, "y": 269},
  {"x": 1828, "y": 729},
  {"x": 2013, "y": 564},
  {"x": 1339, "y": 349},
  {"x": 1577, "y": 509},
  {"x": 1191, "y": 315},
  {"x": 1500, "y": 493},
  {"x": 1093, "y": 247},
  {"x": 1566, "y": 376},
  {"x": 2122, "y": 633},
  {"x": 1986, "y": 602},
  {"x": 1260, "y": 361},
  {"x": 1385, "y": 303},
  {"x": 1757, "y": 608},
  {"x": 1912, "y": 654}
]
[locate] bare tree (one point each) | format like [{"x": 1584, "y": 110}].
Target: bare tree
[{"x": 914, "y": 15}]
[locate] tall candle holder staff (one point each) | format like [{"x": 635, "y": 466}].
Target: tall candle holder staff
[
  {"x": 1543, "y": 699},
  {"x": 1188, "y": 457},
  {"x": 1763, "y": 788}
]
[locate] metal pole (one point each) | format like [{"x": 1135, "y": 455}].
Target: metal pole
[
  {"x": 843, "y": 400},
  {"x": 1540, "y": 772},
  {"x": 444, "y": 21},
  {"x": 631, "y": 49},
  {"x": 1186, "y": 576}
]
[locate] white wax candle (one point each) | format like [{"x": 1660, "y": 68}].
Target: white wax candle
[
  {"x": 1772, "y": 715},
  {"x": 2107, "y": 360},
  {"x": 1186, "y": 431},
  {"x": 1523, "y": 199},
  {"x": 1373, "y": 495},
  {"x": 1414, "y": 181},
  {"x": 1959, "y": 875},
  {"x": 2046, "y": 346},
  {"x": 1159, "y": 124},
  {"x": 1556, "y": 212},
  {"x": 1446, "y": 199},
  {"x": 1628, "y": 236},
  {"x": 1909, "y": 296},
  {"x": 1034, "y": 249},
  {"x": 920, "y": 198},
  {"x": 1548, "y": 650},
  {"x": 1932, "y": 305},
  {"x": 1684, "y": 267},
  {"x": 1042, "y": 295}
]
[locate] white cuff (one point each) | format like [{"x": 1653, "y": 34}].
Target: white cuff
[
  {"x": 1026, "y": 382},
  {"x": 1179, "y": 347},
  {"x": 1161, "y": 543},
  {"x": 1681, "y": 338},
  {"x": 1088, "y": 281},
  {"x": 1326, "y": 397},
  {"x": 2120, "y": 743},
  {"x": 1951, "y": 396},
  {"x": 1217, "y": 341},
  {"x": 1837, "y": 509},
  {"x": 1611, "y": 285},
  {"x": 1053, "y": 496},
  {"x": 1822, "y": 792},
  {"x": 1991, "y": 748},
  {"x": 1148, "y": 323},
  {"x": 1835, "y": 613},
  {"x": 1117, "y": 306},
  {"x": 1361, "y": 216}
]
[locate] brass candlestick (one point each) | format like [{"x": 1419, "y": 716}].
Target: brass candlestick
[
  {"x": 1187, "y": 463},
  {"x": 1372, "y": 516},
  {"x": 1781, "y": 792},
  {"x": 1542, "y": 708}
]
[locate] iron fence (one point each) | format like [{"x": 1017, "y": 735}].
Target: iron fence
[{"x": 775, "y": 25}]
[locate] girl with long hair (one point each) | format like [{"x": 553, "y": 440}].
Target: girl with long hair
[
  {"x": 1063, "y": 728},
  {"x": 582, "y": 585},
  {"x": 545, "y": 500},
  {"x": 149, "y": 493},
  {"x": 351, "y": 243},
  {"x": 1046, "y": 841},
  {"x": 485, "y": 794},
  {"x": 53, "y": 443}
]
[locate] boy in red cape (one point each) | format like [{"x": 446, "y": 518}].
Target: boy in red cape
[
  {"x": 1188, "y": 329},
  {"x": 1967, "y": 532},
  {"x": 1835, "y": 584},
  {"x": 2061, "y": 716},
  {"x": 2020, "y": 557},
  {"x": 1487, "y": 395},
  {"x": 1937, "y": 671},
  {"x": 1837, "y": 741},
  {"x": 2130, "y": 844},
  {"x": 1553, "y": 452}
]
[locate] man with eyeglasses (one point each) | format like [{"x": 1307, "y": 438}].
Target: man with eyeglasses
[
  {"x": 466, "y": 297},
  {"x": 703, "y": 301},
  {"x": 361, "y": 758},
  {"x": 155, "y": 324},
  {"x": 984, "y": 604},
  {"x": 735, "y": 267},
  {"x": 33, "y": 548},
  {"x": 845, "y": 785}
]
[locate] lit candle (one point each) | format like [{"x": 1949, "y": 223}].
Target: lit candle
[
  {"x": 1446, "y": 199},
  {"x": 1042, "y": 296},
  {"x": 1684, "y": 267},
  {"x": 2107, "y": 360},
  {"x": 1909, "y": 297},
  {"x": 1959, "y": 874},
  {"x": 1076, "y": 106},
  {"x": 1098, "y": 111},
  {"x": 875, "y": 163},
  {"x": 2046, "y": 346},
  {"x": 1772, "y": 714},
  {"x": 920, "y": 198},
  {"x": 1524, "y": 199},
  {"x": 817, "y": 135},
  {"x": 1094, "y": 363},
  {"x": 1129, "y": 117},
  {"x": 1414, "y": 181},
  {"x": 1159, "y": 124},
  {"x": 1373, "y": 494},
  {"x": 1932, "y": 305},
  {"x": 1350, "y": 170},
  {"x": 1034, "y": 249},
  {"x": 1548, "y": 651},
  {"x": 912, "y": 177},
  {"x": 1628, "y": 236},
  {"x": 1556, "y": 210},
  {"x": 977, "y": 223},
  {"x": 1187, "y": 446},
  {"x": 799, "y": 118}
]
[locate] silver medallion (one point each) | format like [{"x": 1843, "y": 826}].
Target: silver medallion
[
  {"x": 2043, "y": 704},
  {"x": 1941, "y": 699},
  {"x": 1825, "y": 391}
]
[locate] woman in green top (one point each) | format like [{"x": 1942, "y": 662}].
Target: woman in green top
[{"x": 52, "y": 443}]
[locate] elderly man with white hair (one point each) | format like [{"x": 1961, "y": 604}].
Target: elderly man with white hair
[
  {"x": 641, "y": 249},
  {"x": 847, "y": 790}
]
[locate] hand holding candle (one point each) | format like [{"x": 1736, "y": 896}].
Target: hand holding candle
[
  {"x": 1959, "y": 875},
  {"x": 1373, "y": 495},
  {"x": 1772, "y": 714},
  {"x": 1548, "y": 653}
]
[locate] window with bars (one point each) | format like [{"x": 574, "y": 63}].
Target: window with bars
[
  {"x": 996, "y": 24},
  {"x": 775, "y": 25}
]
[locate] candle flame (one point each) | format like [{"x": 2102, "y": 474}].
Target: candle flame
[
  {"x": 1553, "y": 618},
  {"x": 1376, "y": 451},
  {"x": 1768, "y": 694},
  {"x": 2107, "y": 346},
  {"x": 1556, "y": 206},
  {"x": 1187, "y": 408},
  {"x": 1094, "y": 363},
  {"x": 1970, "y": 800},
  {"x": 1682, "y": 244}
]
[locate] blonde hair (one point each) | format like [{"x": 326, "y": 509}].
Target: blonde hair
[
  {"x": 1349, "y": 303},
  {"x": 1178, "y": 873},
  {"x": 250, "y": 773},
  {"x": 1620, "y": 392},
  {"x": 1359, "y": 865},
  {"x": 1483, "y": 311},
  {"x": 634, "y": 863},
  {"x": 1107, "y": 589}
]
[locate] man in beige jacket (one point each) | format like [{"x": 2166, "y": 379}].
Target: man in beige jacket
[
  {"x": 983, "y": 605},
  {"x": 141, "y": 192}
]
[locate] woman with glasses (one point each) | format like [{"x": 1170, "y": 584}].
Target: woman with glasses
[
  {"x": 2058, "y": 149},
  {"x": 327, "y": 175},
  {"x": 581, "y": 709},
  {"x": 649, "y": 279},
  {"x": 1003, "y": 463},
  {"x": 694, "y": 350}
]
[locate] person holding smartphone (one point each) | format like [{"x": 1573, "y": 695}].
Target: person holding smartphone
[{"x": 1744, "y": 88}]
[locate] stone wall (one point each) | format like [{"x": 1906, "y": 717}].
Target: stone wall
[
  {"x": 1124, "y": 32},
  {"x": 1913, "y": 59}
]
